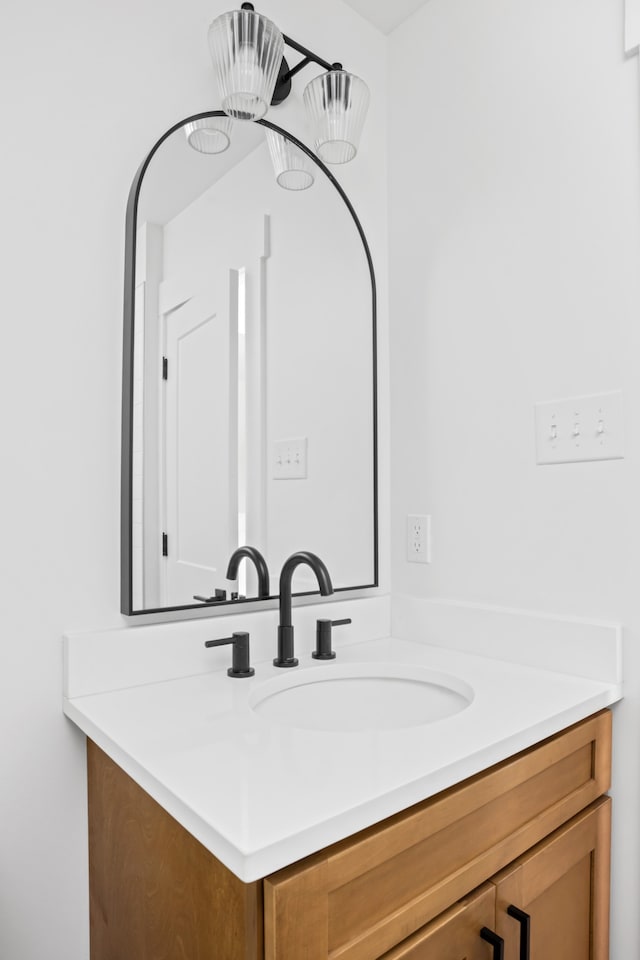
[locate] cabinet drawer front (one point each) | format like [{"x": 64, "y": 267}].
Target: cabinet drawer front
[
  {"x": 369, "y": 893},
  {"x": 455, "y": 934}
]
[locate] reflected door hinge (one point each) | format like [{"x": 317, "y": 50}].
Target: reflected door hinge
[
  {"x": 165, "y": 368},
  {"x": 165, "y": 545}
]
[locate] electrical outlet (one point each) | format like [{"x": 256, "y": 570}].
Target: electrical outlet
[{"x": 418, "y": 538}]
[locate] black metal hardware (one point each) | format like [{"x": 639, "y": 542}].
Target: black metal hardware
[
  {"x": 219, "y": 596},
  {"x": 496, "y": 942},
  {"x": 165, "y": 545},
  {"x": 126, "y": 476},
  {"x": 524, "y": 919},
  {"x": 282, "y": 88},
  {"x": 285, "y": 656},
  {"x": 165, "y": 368},
  {"x": 323, "y": 650},
  {"x": 259, "y": 562},
  {"x": 240, "y": 666}
]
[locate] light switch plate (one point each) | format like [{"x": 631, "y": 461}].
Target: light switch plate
[
  {"x": 290, "y": 459},
  {"x": 580, "y": 428}
]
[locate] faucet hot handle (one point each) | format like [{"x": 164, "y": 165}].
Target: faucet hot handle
[
  {"x": 218, "y": 596},
  {"x": 240, "y": 666},
  {"x": 323, "y": 650}
]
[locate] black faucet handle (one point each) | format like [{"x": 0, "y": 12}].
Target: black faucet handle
[
  {"x": 323, "y": 650},
  {"x": 240, "y": 666}
]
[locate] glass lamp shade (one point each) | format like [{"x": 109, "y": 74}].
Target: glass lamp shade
[
  {"x": 337, "y": 104},
  {"x": 247, "y": 52},
  {"x": 292, "y": 167},
  {"x": 209, "y": 135}
]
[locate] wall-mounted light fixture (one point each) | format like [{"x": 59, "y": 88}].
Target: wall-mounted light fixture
[{"x": 247, "y": 51}]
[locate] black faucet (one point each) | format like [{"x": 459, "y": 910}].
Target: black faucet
[
  {"x": 285, "y": 656},
  {"x": 251, "y": 553}
]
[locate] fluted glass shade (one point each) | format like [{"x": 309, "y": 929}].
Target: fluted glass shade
[
  {"x": 292, "y": 167},
  {"x": 247, "y": 52},
  {"x": 209, "y": 135},
  {"x": 337, "y": 104}
]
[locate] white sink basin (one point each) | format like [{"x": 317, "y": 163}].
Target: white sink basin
[{"x": 360, "y": 696}]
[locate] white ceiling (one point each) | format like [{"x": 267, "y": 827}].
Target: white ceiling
[{"x": 386, "y": 15}]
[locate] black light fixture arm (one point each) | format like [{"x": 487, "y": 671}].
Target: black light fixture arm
[
  {"x": 309, "y": 57},
  {"x": 283, "y": 85}
]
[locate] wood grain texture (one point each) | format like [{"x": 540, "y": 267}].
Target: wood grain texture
[
  {"x": 563, "y": 883},
  {"x": 373, "y": 890},
  {"x": 302, "y": 928},
  {"x": 155, "y": 892},
  {"x": 455, "y": 934}
]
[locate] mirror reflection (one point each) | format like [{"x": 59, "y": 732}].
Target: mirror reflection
[{"x": 252, "y": 405}]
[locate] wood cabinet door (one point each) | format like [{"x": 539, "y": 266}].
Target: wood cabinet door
[
  {"x": 563, "y": 884},
  {"x": 366, "y": 894},
  {"x": 455, "y": 934}
]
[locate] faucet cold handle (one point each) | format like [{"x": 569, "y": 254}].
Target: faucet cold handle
[
  {"x": 324, "y": 628},
  {"x": 240, "y": 666}
]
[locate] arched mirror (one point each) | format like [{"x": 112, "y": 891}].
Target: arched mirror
[{"x": 249, "y": 387}]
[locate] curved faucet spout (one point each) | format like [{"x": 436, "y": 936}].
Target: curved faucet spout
[
  {"x": 285, "y": 656},
  {"x": 259, "y": 562}
]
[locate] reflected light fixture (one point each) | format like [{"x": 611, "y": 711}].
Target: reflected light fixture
[
  {"x": 292, "y": 167},
  {"x": 247, "y": 51},
  {"x": 210, "y": 134}
]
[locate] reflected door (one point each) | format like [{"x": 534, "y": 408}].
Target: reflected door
[{"x": 200, "y": 442}]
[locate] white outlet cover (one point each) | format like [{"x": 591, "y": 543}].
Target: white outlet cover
[
  {"x": 579, "y": 429},
  {"x": 418, "y": 538},
  {"x": 290, "y": 459}
]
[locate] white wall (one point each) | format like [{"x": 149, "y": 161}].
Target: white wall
[
  {"x": 515, "y": 245},
  {"x": 87, "y": 88}
]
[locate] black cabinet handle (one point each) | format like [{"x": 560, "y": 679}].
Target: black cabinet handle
[
  {"x": 524, "y": 920},
  {"x": 496, "y": 942}
]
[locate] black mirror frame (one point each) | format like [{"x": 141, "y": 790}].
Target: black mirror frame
[{"x": 126, "y": 488}]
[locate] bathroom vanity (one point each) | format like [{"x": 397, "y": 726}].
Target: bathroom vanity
[
  {"x": 455, "y": 803},
  {"x": 531, "y": 832},
  {"x": 221, "y": 830}
]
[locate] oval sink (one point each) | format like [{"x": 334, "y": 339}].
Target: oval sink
[{"x": 360, "y": 696}]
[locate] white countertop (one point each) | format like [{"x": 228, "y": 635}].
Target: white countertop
[{"x": 260, "y": 795}]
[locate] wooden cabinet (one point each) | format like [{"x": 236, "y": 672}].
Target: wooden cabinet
[
  {"x": 455, "y": 934},
  {"x": 550, "y": 904},
  {"x": 563, "y": 885},
  {"x": 421, "y": 885}
]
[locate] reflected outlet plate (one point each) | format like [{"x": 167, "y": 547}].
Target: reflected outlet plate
[{"x": 290, "y": 459}]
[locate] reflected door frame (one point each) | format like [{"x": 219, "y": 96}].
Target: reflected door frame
[
  {"x": 247, "y": 416},
  {"x": 208, "y": 314}
]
